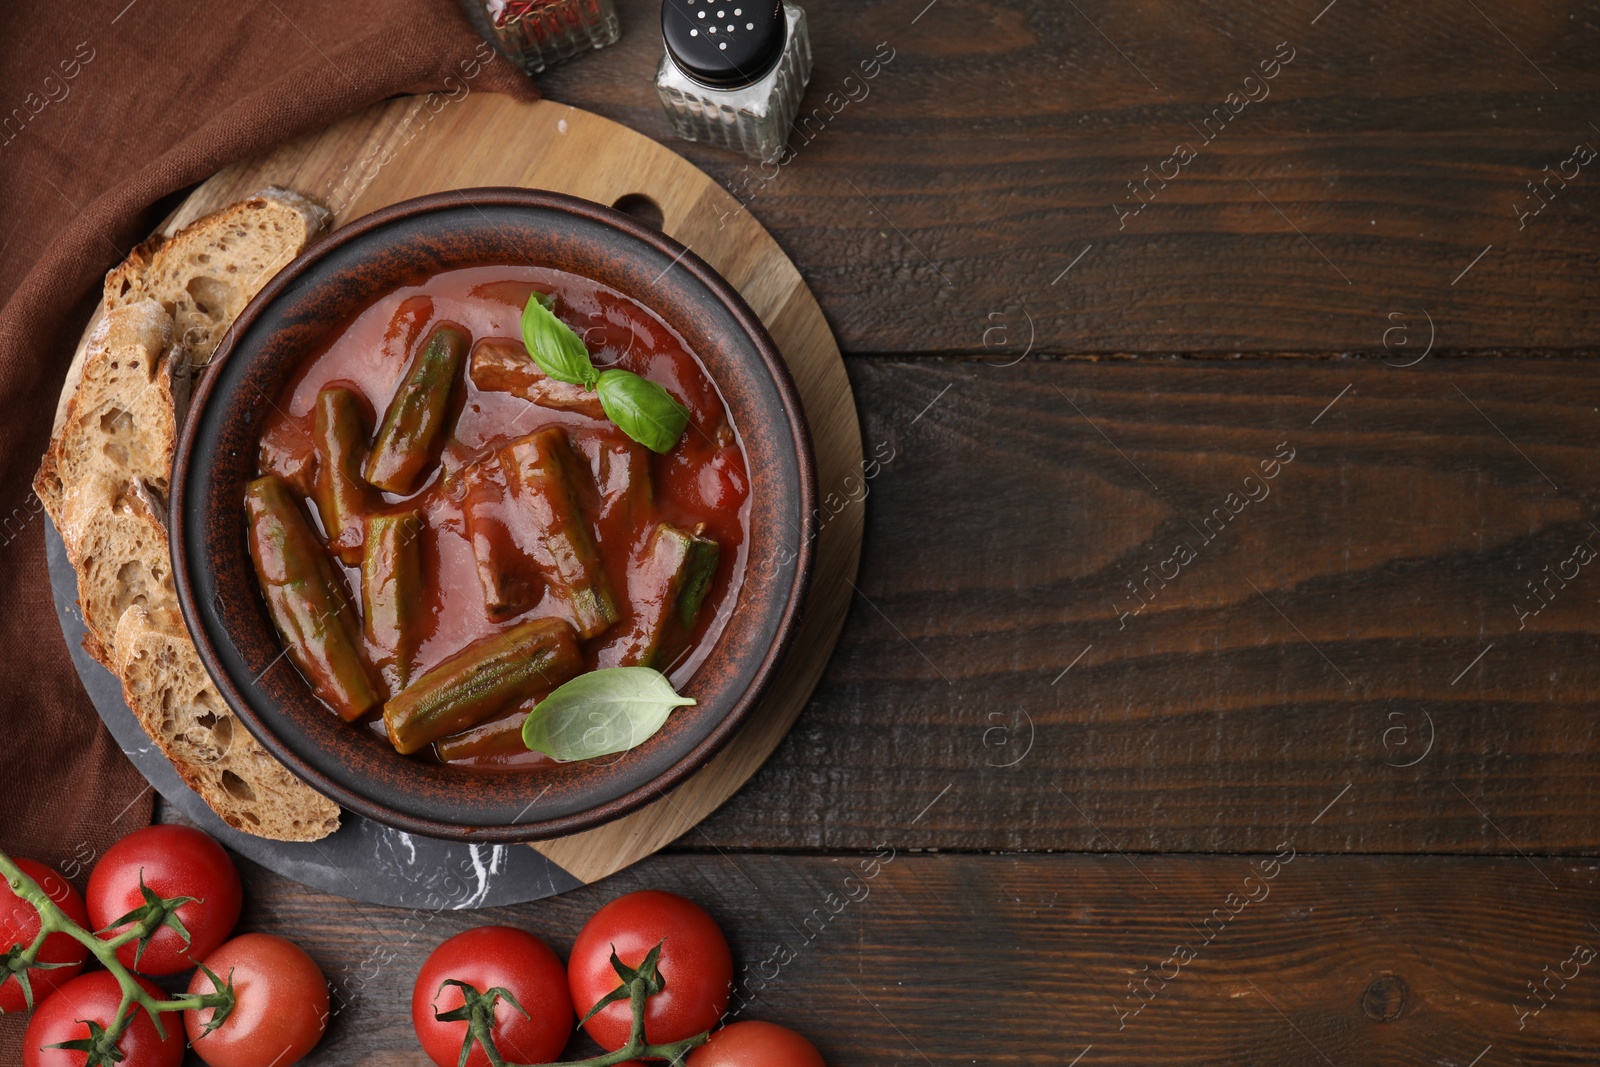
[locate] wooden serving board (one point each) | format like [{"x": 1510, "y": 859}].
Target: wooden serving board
[{"x": 402, "y": 148}]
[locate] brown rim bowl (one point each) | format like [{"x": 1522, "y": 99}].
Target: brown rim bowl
[{"x": 321, "y": 292}]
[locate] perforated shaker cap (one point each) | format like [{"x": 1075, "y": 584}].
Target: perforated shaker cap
[{"x": 725, "y": 44}]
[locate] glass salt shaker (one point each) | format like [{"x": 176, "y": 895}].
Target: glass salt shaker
[
  {"x": 538, "y": 34},
  {"x": 734, "y": 72}
]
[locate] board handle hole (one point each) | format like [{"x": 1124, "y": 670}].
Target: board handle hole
[{"x": 642, "y": 208}]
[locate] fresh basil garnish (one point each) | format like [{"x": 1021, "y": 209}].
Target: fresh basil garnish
[
  {"x": 601, "y": 712},
  {"x": 642, "y": 409},
  {"x": 554, "y": 346}
]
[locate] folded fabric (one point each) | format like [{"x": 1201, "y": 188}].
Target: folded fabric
[{"x": 107, "y": 114}]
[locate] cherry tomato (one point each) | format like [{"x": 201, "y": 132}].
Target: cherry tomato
[
  {"x": 176, "y": 861},
  {"x": 281, "y": 1010},
  {"x": 485, "y": 958},
  {"x": 756, "y": 1044},
  {"x": 95, "y": 996},
  {"x": 19, "y": 925},
  {"x": 695, "y": 964}
]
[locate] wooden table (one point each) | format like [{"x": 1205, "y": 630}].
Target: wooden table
[{"x": 1222, "y": 679}]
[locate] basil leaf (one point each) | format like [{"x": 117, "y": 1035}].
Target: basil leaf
[
  {"x": 554, "y": 346},
  {"x": 601, "y": 712},
  {"x": 642, "y": 409}
]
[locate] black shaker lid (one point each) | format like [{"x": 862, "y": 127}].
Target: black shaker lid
[{"x": 725, "y": 44}]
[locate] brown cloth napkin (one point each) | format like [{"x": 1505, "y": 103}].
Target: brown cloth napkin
[{"x": 106, "y": 109}]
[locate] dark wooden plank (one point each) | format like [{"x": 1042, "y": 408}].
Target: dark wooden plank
[
  {"x": 1303, "y": 659},
  {"x": 1028, "y": 959},
  {"x": 976, "y": 166},
  {"x": 948, "y": 959}
]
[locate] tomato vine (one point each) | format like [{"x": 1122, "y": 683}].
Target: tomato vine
[
  {"x": 157, "y": 912},
  {"x": 637, "y": 986}
]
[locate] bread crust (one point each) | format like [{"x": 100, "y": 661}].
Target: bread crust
[
  {"x": 206, "y": 273},
  {"x": 168, "y": 689},
  {"x": 123, "y": 416},
  {"x": 104, "y": 481}
]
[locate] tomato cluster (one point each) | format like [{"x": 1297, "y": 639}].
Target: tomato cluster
[
  {"x": 534, "y": 998},
  {"x": 172, "y": 895},
  {"x": 650, "y": 972}
]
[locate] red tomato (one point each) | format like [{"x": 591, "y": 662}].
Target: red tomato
[
  {"x": 19, "y": 925},
  {"x": 484, "y": 958},
  {"x": 95, "y": 996},
  {"x": 756, "y": 1044},
  {"x": 176, "y": 861},
  {"x": 281, "y": 1010},
  {"x": 695, "y": 964}
]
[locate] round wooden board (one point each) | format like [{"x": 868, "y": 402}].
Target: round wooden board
[{"x": 401, "y": 148}]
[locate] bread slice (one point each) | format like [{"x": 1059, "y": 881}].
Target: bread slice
[
  {"x": 117, "y": 543},
  {"x": 165, "y": 684},
  {"x": 122, "y": 421},
  {"x": 105, "y": 480},
  {"x": 206, "y": 273}
]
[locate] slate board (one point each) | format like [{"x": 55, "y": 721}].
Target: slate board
[{"x": 364, "y": 860}]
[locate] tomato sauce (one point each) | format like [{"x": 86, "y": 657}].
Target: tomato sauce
[{"x": 701, "y": 484}]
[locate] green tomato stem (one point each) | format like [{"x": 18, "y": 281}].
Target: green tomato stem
[
  {"x": 38, "y": 943},
  {"x": 52, "y": 920},
  {"x": 480, "y": 1029},
  {"x": 637, "y": 1047},
  {"x": 128, "y": 935}
]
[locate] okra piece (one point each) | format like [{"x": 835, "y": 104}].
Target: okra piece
[
  {"x": 405, "y": 327},
  {"x": 497, "y": 737},
  {"x": 486, "y": 677},
  {"x": 668, "y": 589},
  {"x": 392, "y": 608},
  {"x": 506, "y": 572},
  {"x": 307, "y": 600},
  {"x": 698, "y": 570},
  {"x": 339, "y": 434},
  {"x": 542, "y": 482},
  {"x": 417, "y": 422},
  {"x": 296, "y": 465},
  {"x": 621, "y": 469},
  {"x": 502, "y": 365}
]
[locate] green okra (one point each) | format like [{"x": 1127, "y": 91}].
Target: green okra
[
  {"x": 417, "y": 422},
  {"x": 487, "y": 677},
  {"x": 342, "y": 495},
  {"x": 393, "y": 612},
  {"x": 506, "y": 573},
  {"x": 622, "y": 478},
  {"x": 498, "y": 737},
  {"x": 669, "y": 587},
  {"x": 541, "y": 476},
  {"x": 307, "y": 600}
]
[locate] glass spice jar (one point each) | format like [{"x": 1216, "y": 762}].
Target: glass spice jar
[
  {"x": 734, "y": 72},
  {"x": 538, "y": 34}
]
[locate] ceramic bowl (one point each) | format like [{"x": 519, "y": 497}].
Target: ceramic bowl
[{"x": 321, "y": 292}]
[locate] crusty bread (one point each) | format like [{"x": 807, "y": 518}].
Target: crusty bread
[
  {"x": 117, "y": 543},
  {"x": 122, "y": 420},
  {"x": 105, "y": 478},
  {"x": 207, "y": 273},
  {"x": 168, "y": 688}
]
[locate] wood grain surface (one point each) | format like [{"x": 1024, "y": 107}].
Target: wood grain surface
[
  {"x": 1353, "y": 664},
  {"x": 1328, "y": 641},
  {"x": 957, "y": 959},
  {"x": 982, "y": 160},
  {"x": 415, "y": 145}
]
